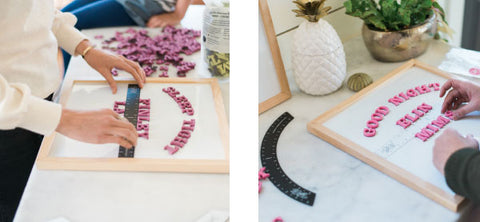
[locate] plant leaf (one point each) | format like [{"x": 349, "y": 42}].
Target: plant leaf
[
  {"x": 404, "y": 16},
  {"x": 377, "y": 22},
  {"x": 348, "y": 6},
  {"x": 299, "y": 5},
  {"x": 442, "y": 12},
  {"x": 298, "y": 12},
  {"x": 365, "y": 15}
]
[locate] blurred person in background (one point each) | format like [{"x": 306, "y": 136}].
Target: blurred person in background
[{"x": 113, "y": 13}]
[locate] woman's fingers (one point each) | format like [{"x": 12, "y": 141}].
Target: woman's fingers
[
  {"x": 117, "y": 121},
  {"x": 462, "y": 111},
  {"x": 153, "y": 22},
  {"x": 137, "y": 67},
  {"x": 113, "y": 85},
  {"x": 118, "y": 140},
  {"x": 149, "y": 23},
  {"x": 122, "y": 64},
  {"x": 446, "y": 86},
  {"x": 120, "y": 127},
  {"x": 457, "y": 103},
  {"x": 449, "y": 99},
  {"x": 124, "y": 124},
  {"x": 98, "y": 127},
  {"x": 124, "y": 133}
]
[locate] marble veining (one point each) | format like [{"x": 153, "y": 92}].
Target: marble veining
[{"x": 346, "y": 188}]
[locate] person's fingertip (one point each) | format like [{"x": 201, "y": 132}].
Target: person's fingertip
[{"x": 456, "y": 115}]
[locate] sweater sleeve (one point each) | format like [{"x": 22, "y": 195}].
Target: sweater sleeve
[
  {"x": 462, "y": 172},
  {"x": 19, "y": 108},
  {"x": 67, "y": 35}
]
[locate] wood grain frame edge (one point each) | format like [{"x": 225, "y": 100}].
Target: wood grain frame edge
[{"x": 429, "y": 190}]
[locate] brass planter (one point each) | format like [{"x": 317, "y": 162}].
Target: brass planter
[{"x": 400, "y": 45}]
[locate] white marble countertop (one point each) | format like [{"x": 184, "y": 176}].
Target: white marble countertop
[
  {"x": 346, "y": 188},
  {"x": 125, "y": 196}
]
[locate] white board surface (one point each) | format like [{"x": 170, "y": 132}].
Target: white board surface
[
  {"x": 166, "y": 120},
  {"x": 392, "y": 142}
]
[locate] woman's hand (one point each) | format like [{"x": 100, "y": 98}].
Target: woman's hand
[
  {"x": 104, "y": 63},
  {"x": 447, "y": 143},
  {"x": 162, "y": 20},
  {"x": 462, "y": 92},
  {"x": 99, "y": 126}
]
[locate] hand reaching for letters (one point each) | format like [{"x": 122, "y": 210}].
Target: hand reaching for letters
[
  {"x": 462, "y": 92},
  {"x": 447, "y": 143},
  {"x": 104, "y": 63}
]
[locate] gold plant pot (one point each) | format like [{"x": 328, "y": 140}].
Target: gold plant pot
[{"x": 400, "y": 45}]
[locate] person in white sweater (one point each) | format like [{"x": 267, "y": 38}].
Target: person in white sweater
[{"x": 31, "y": 33}]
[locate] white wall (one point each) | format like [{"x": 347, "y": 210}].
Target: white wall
[
  {"x": 283, "y": 18},
  {"x": 454, "y": 12},
  {"x": 346, "y": 26}
]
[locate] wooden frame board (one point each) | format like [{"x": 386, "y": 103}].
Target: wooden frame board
[
  {"x": 273, "y": 83},
  {"x": 391, "y": 162},
  {"x": 46, "y": 161}
]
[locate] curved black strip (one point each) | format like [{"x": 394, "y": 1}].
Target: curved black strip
[{"x": 268, "y": 156}]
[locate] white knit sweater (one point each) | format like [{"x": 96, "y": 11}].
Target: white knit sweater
[{"x": 29, "y": 32}]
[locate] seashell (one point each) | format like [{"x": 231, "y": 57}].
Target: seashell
[{"x": 358, "y": 81}]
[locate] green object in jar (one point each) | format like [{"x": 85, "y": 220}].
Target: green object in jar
[{"x": 218, "y": 63}]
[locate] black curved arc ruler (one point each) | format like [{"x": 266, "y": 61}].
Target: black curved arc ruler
[
  {"x": 268, "y": 156},
  {"x": 131, "y": 114}
]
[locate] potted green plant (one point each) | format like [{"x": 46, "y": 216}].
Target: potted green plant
[{"x": 397, "y": 30}]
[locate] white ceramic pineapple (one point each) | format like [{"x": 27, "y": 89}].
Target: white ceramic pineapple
[{"x": 319, "y": 65}]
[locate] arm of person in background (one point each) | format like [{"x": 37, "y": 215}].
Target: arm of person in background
[
  {"x": 458, "y": 158},
  {"x": 171, "y": 18}
]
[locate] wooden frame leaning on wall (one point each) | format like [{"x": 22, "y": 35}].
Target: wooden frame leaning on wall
[{"x": 280, "y": 78}]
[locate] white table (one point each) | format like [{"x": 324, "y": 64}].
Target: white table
[
  {"x": 346, "y": 188},
  {"x": 125, "y": 196}
]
